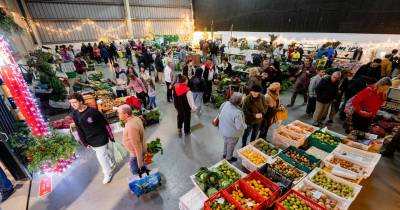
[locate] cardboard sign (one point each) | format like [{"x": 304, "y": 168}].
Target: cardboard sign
[{"x": 45, "y": 186}]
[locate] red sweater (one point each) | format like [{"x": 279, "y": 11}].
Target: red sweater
[{"x": 368, "y": 100}]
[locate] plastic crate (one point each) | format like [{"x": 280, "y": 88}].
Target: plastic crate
[
  {"x": 248, "y": 192},
  {"x": 318, "y": 153},
  {"x": 247, "y": 163},
  {"x": 266, "y": 183},
  {"x": 341, "y": 204},
  {"x": 314, "y": 160},
  {"x": 304, "y": 126},
  {"x": 283, "y": 182},
  {"x": 71, "y": 75},
  {"x": 284, "y": 142},
  {"x": 356, "y": 175},
  {"x": 297, "y": 130},
  {"x": 359, "y": 157},
  {"x": 295, "y": 180},
  {"x": 309, "y": 203},
  {"x": 356, "y": 187},
  {"x": 192, "y": 200},
  {"x": 313, "y": 141},
  {"x": 270, "y": 157},
  {"x": 91, "y": 67},
  {"x": 213, "y": 168},
  {"x": 221, "y": 194}
]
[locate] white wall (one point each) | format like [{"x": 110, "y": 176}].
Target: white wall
[{"x": 369, "y": 42}]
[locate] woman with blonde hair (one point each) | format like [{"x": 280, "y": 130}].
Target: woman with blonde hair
[
  {"x": 254, "y": 77},
  {"x": 273, "y": 102}
]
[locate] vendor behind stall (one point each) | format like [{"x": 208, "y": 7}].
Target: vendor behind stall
[
  {"x": 80, "y": 64},
  {"x": 81, "y": 81},
  {"x": 121, "y": 80},
  {"x": 364, "y": 106}
]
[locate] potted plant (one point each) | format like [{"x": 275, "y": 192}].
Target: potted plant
[{"x": 153, "y": 148}]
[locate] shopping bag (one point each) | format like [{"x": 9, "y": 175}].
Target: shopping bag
[
  {"x": 120, "y": 153},
  {"x": 121, "y": 54},
  {"x": 282, "y": 115},
  {"x": 140, "y": 185}
]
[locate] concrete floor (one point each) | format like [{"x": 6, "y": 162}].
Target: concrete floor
[{"x": 81, "y": 188}]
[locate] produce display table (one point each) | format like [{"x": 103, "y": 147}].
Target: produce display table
[{"x": 316, "y": 170}]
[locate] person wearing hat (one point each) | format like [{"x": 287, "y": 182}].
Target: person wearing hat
[{"x": 254, "y": 107}]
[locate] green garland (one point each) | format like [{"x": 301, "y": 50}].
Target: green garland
[{"x": 8, "y": 24}]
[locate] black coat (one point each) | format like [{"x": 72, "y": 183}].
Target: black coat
[
  {"x": 367, "y": 72},
  {"x": 326, "y": 90},
  {"x": 159, "y": 64},
  {"x": 197, "y": 85},
  {"x": 181, "y": 103}
]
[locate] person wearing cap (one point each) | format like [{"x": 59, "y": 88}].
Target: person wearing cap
[{"x": 254, "y": 107}]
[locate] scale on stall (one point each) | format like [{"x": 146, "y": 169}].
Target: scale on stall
[{"x": 392, "y": 102}]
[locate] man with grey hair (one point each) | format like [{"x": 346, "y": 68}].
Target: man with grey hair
[
  {"x": 170, "y": 78},
  {"x": 326, "y": 91},
  {"x": 231, "y": 124},
  {"x": 133, "y": 138}
]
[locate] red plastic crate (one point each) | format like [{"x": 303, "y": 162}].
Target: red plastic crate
[
  {"x": 219, "y": 195},
  {"x": 248, "y": 192},
  {"x": 267, "y": 183},
  {"x": 310, "y": 203}
]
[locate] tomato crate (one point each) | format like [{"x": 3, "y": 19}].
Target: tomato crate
[
  {"x": 307, "y": 201},
  {"x": 275, "y": 189},
  {"x": 221, "y": 197},
  {"x": 316, "y": 142},
  {"x": 248, "y": 192},
  {"x": 314, "y": 161}
]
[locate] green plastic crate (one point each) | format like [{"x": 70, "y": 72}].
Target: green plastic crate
[
  {"x": 91, "y": 67},
  {"x": 312, "y": 141},
  {"x": 71, "y": 74},
  {"x": 314, "y": 160}
]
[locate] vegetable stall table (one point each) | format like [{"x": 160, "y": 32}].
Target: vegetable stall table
[{"x": 316, "y": 170}]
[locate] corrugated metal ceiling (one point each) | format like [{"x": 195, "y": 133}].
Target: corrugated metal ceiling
[{"x": 75, "y": 11}]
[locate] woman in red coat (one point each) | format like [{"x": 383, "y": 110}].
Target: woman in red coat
[{"x": 366, "y": 104}]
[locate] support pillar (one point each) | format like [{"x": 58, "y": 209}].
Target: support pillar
[{"x": 128, "y": 19}]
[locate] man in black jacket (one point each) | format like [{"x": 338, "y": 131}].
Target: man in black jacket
[
  {"x": 370, "y": 70},
  {"x": 326, "y": 91},
  {"x": 94, "y": 132},
  {"x": 159, "y": 67}
]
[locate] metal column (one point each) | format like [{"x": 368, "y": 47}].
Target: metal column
[{"x": 128, "y": 19}]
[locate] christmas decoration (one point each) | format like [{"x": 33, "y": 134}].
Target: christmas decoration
[{"x": 10, "y": 73}]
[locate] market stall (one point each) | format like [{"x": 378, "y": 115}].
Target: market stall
[{"x": 302, "y": 167}]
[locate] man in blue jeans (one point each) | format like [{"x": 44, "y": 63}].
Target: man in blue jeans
[
  {"x": 6, "y": 187},
  {"x": 133, "y": 139}
]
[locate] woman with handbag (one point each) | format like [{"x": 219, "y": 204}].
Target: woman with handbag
[
  {"x": 231, "y": 124},
  {"x": 272, "y": 99}
]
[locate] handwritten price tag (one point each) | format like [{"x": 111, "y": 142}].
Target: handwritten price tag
[
  {"x": 220, "y": 200},
  {"x": 250, "y": 204},
  {"x": 317, "y": 195}
]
